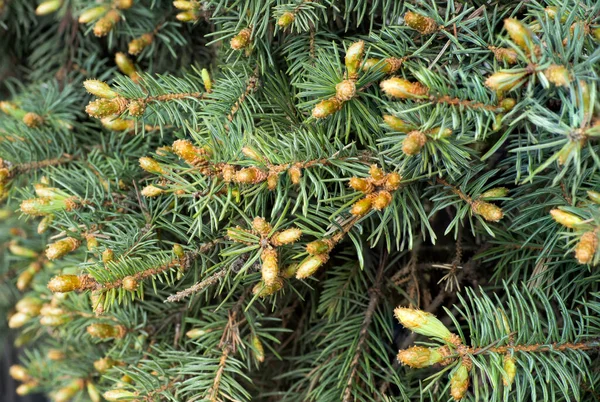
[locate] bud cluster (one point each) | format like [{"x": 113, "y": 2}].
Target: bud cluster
[
  {"x": 346, "y": 89},
  {"x": 378, "y": 189},
  {"x": 190, "y": 10}
]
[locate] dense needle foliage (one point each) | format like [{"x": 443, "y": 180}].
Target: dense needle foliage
[{"x": 265, "y": 200}]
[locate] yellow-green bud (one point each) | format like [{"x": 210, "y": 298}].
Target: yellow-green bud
[
  {"x": 100, "y": 108},
  {"x": 508, "y": 104},
  {"x": 29, "y": 305},
  {"x": 105, "y": 331},
  {"x": 270, "y": 266},
  {"x": 136, "y": 45},
  {"x": 151, "y": 191},
  {"x": 310, "y": 265},
  {"x": 397, "y": 124},
  {"x": 151, "y": 166},
  {"x": 241, "y": 40},
  {"x": 424, "y": 25},
  {"x": 596, "y": 33},
  {"x": 504, "y": 80},
  {"x": 586, "y": 248},
  {"x": 510, "y": 371},
  {"x": 361, "y": 207},
  {"x": 318, "y": 247},
  {"x": 419, "y": 357},
  {"x": 92, "y": 14},
  {"x": 104, "y": 364},
  {"x": 519, "y": 33},
  {"x": 259, "y": 350},
  {"x": 354, "y": 57},
  {"x": 125, "y": 64},
  {"x": 566, "y": 219},
  {"x": 326, "y": 108},
  {"x": 286, "y": 19},
  {"x": 48, "y": 7},
  {"x": 62, "y": 247},
  {"x": 108, "y": 255},
  {"x": 64, "y": 283},
  {"x": 487, "y": 211},
  {"x": 56, "y": 355},
  {"x": 188, "y": 16},
  {"x": 422, "y": 322},
  {"x": 18, "y": 373},
  {"x": 287, "y": 236},
  {"x": 403, "y": 89},
  {"x": 345, "y": 90},
  {"x": 360, "y": 184},
  {"x": 459, "y": 382},
  {"x": 26, "y": 389},
  {"x": 99, "y": 89},
  {"x": 45, "y": 224},
  {"x": 33, "y": 120},
  {"x": 413, "y": 143},
  {"x": 206, "y": 80},
  {"x": 21, "y": 251},
  {"x": 594, "y": 196},
  {"x": 93, "y": 392},
  {"x": 263, "y": 290},
  {"x": 558, "y": 75},
  {"x": 381, "y": 200},
  {"x": 184, "y": 5},
  {"x": 136, "y": 108},
  {"x": 130, "y": 283},
  {"x": 120, "y": 395},
  {"x": 18, "y": 319},
  {"x": 497, "y": 192},
  {"x": 392, "y": 181},
  {"x": 289, "y": 271},
  {"x": 196, "y": 333},
  {"x": 65, "y": 394}
]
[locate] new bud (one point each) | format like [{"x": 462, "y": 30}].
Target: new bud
[
  {"x": 151, "y": 166},
  {"x": 413, "y": 143},
  {"x": 423, "y": 323},
  {"x": 105, "y": 331},
  {"x": 354, "y": 57},
  {"x": 125, "y": 64},
  {"x": 360, "y": 184},
  {"x": 287, "y": 236},
  {"x": 403, "y": 89},
  {"x": 18, "y": 319},
  {"x": 18, "y": 373},
  {"x": 397, "y": 124},
  {"x": 195, "y": 333},
  {"x": 48, "y": 7},
  {"x": 258, "y": 349},
  {"x": 566, "y": 219},
  {"x": 286, "y": 19},
  {"x": 487, "y": 211},
  {"x": 310, "y": 265},
  {"x": 510, "y": 371},
  {"x": 92, "y": 14},
  {"x": 151, "y": 191},
  {"x": 519, "y": 33},
  {"x": 504, "y": 81},
  {"x": 119, "y": 395},
  {"x": 326, "y": 108},
  {"x": 558, "y": 75},
  {"x": 61, "y": 248},
  {"x": 392, "y": 181},
  {"x": 261, "y": 226},
  {"x": 424, "y": 25},
  {"x": 206, "y": 80},
  {"x": 99, "y": 89},
  {"x": 241, "y": 40},
  {"x": 419, "y": 357},
  {"x": 64, "y": 283},
  {"x": 100, "y": 108},
  {"x": 459, "y": 383},
  {"x": 263, "y": 290},
  {"x": 318, "y": 247},
  {"x": 130, "y": 283},
  {"x": 594, "y": 196},
  {"x": 295, "y": 174},
  {"x": 345, "y": 90},
  {"x": 381, "y": 200},
  {"x": 497, "y": 192},
  {"x": 361, "y": 207},
  {"x": 586, "y": 248}
]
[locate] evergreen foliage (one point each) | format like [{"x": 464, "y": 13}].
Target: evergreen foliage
[{"x": 231, "y": 200}]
